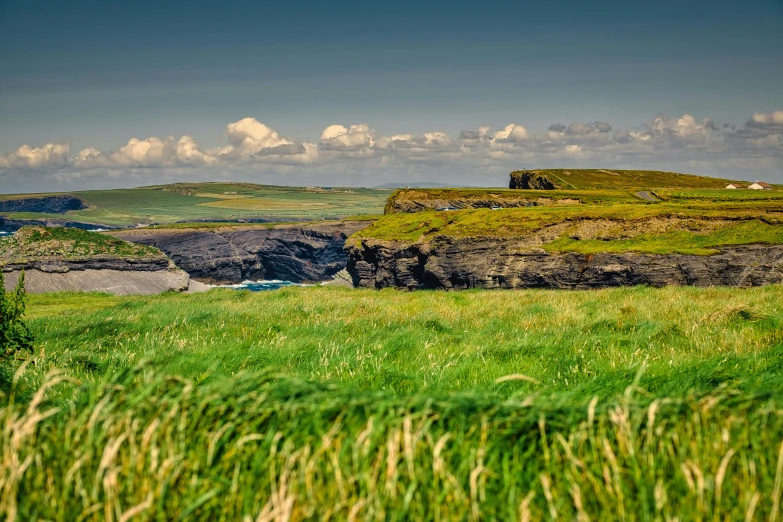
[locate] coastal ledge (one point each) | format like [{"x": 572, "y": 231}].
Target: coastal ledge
[{"x": 72, "y": 260}]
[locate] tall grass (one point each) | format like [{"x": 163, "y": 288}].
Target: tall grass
[
  {"x": 328, "y": 403},
  {"x": 145, "y": 446},
  {"x": 570, "y": 342}
]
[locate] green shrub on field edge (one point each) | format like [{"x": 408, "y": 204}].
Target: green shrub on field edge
[{"x": 15, "y": 337}]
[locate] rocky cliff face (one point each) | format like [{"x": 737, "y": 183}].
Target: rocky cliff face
[
  {"x": 12, "y": 225},
  {"x": 112, "y": 281},
  {"x": 480, "y": 263},
  {"x": 504, "y": 201},
  {"x": 46, "y": 204},
  {"x": 59, "y": 260},
  {"x": 530, "y": 179},
  {"x": 303, "y": 253}
]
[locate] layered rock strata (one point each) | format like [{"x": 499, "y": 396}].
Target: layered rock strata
[
  {"x": 482, "y": 263},
  {"x": 303, "y": 253}
]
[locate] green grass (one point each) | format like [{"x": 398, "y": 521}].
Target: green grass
[
  {"x": 216, "y": 201},
  {"x": 570, "y": 342},
  {"x": 631, "y": 403},
  {"x": 621, "y": 227},
  {"x": 678, "y": 241},
  {"x": 677, "y": 195}
]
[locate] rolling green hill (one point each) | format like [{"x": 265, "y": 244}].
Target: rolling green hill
[{"x": 217, "y": 201}]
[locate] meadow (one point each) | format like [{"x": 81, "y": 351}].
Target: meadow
[{"x": 317, "y": 402}]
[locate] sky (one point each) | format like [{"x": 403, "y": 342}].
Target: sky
[{"x": 97, "y": 94}]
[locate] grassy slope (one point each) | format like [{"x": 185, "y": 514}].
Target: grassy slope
[
  {"x": 404, "y": 417},
  {"x": 170, "y": 203}
]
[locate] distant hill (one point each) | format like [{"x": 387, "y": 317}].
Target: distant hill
[
  {"x": 611, "y": 179},
  {"x": 221, "y": 201}
]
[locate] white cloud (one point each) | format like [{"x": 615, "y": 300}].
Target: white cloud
[
  {"x": 767, "y": 120},
  {"x": 249, "y": 136},
  {"x": 356, "y": 137},
  {"x": 512, "y": 132},
  {"x": 48, "y": 155},
  {"x": 358, "y": 154},
  {"x": 150, "y": 152}
]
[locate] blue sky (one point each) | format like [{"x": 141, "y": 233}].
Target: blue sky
[{"x": 93, "y": 75}]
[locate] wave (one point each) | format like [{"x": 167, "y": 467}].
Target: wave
[{"x": 259, "y": 286}]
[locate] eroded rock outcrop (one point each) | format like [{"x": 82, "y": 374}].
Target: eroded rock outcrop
[
  {"x": 302, "y": 253},
  {"x": 112, "y": 281},
  {"x": 530, "y": 179},
  {"x": 59, "y": 204},
  {"x": 12, "y": 225},
  {"x": 61, "y": 259},
  {"x": 482, "y": 263},
  {"x": 488, "y": 201}
]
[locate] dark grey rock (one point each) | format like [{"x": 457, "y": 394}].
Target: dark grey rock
[
  {"x": 483, "y": 263},
  {"x": 303, "y": 253},
  {"x": 46, "y": 204}
]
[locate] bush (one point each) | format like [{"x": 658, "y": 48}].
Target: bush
[{"x": 15, "y": 337}]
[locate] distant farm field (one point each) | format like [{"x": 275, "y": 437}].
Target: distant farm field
[
  {"x": 219, "y": 201},
  {"x": 619, "y": 404}
]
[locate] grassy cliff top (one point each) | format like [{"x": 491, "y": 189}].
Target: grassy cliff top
[
  {"x": 67, "y": 243},
  {"x": 697, "y": 227}
]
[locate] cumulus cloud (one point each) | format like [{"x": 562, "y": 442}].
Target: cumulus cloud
[
  {"x": 150, "y": 152},
  {"x": 512, "y": 132},
  {"x": 355, "y": 137},
  {"x": 357, "y": 154},
  {"x": 250, "y": 136},
  {"x": 49, "y": 155},
  {"x": 768, "y": 121}
]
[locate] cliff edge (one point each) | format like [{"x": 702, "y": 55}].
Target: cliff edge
[{"x": 64, "y": 259}]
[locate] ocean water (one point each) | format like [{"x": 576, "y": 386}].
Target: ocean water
[
  {"x": 4, "y": 233},
  {"x": 259, "y": 286}
]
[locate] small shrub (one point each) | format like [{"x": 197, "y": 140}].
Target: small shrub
[{"x": 15, "y": 337}]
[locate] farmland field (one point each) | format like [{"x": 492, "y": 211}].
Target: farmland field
[
  {"x": 219, "y": 201},
  {"x": 632, "y": 403}
]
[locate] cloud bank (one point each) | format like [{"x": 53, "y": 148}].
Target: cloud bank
[{"x": 356, "y": 154}]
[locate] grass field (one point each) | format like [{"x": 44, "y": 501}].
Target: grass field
[
  {"x": 679, "y": 195},
  {"x": 315, "y": 402},
  {"x": 219, "y": 201}
]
